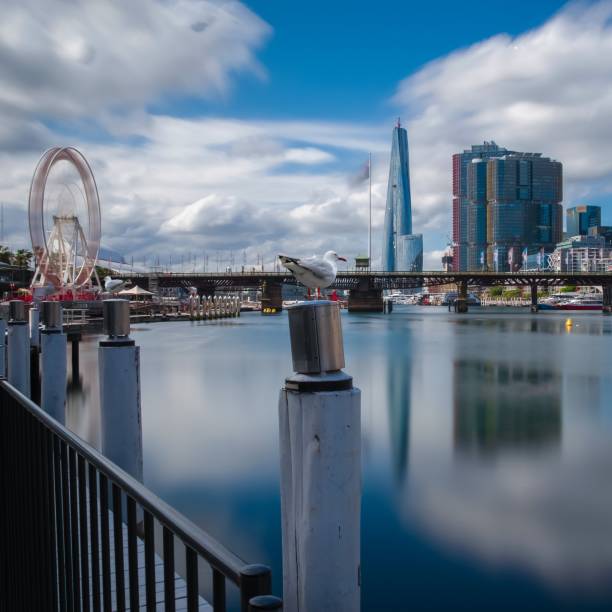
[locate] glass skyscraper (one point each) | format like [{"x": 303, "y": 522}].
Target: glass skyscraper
[
  {"x": 503, "y": 202},
  {"x": 468, "y": 224},
  {"x": 580, "y": 218},
  {"x": 402, "y": 250}
]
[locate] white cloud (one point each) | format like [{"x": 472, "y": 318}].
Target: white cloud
[
  {"x": 80, "y": 58},
  {"x": 548, "y": 90}
]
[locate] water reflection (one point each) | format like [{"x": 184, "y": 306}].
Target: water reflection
[
  {"x": 502, "y": 405},
  {"x": 538, "y": 496},
  {"x": 398, "y": 374}
]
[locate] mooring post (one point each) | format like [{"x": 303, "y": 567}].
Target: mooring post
[
  {"x": 320, "y": 453},
  {"x": 119, "y": 368},
  {"x": 34, "y": 318},
  {"x": 607, "y": 298},
  {"x": 461, "y": 303},
  {"x": 18, "y": 348},
  {"x": 2, "y": 348},
  {"x": 53, "y": 361}
]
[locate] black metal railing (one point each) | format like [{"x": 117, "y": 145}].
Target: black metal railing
[{"x": 77, "y": 531}]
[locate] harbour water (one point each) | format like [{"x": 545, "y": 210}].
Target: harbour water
[{"x": 487, "y": 448}]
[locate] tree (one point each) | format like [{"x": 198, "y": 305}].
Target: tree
[
  {"x": 496, "y": 291},
  {"x": 568, "y": 289},
  {"x": 5, "y": 255},
  {"x": 22, "y": 258}
]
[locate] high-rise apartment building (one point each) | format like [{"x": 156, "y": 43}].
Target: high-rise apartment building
[
  {"x": 469, "y": 225},
  {"x": 402, "y": 250},
  {"x": 580, "y": 218},
  {"x": 504, "y": 202}
]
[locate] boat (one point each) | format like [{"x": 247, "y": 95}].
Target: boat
[
  {"x": 584, "y": 302},
  {"x": 451, "y": 297}
]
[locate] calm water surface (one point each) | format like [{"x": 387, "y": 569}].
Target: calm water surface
[{"x": 487, "y": 449}]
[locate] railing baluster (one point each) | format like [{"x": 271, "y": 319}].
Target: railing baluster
[
  {"x": 70, "y": 599},
  {"x": 74, "y": 524},
  {"x": 132, "y": 554},
  {"x": 169, "y": 592},
  {"x": 84, "y": 534},
  {"x": 191, "y": 558},
  {"x": 51, "y": 512},
  {"x": 59, "y": 523},
  {"x": 218, "y": 590},
  {"x": 149, "y": 544},
  {"x": 95, "y": 549},
  {"x": 106, "y": 580},
  {"x": 118, "y": 531}
]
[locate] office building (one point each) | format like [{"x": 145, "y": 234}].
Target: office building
[
  {"x": 466, "y": 231},
  {"x": 402, "y": 250},
  {"x": 580, "y": 218}
]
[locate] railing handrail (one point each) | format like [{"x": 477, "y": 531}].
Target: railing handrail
[{"x": 202, "y": 543}]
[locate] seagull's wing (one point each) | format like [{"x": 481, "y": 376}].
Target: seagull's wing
[{"x": 317, "y": 266}]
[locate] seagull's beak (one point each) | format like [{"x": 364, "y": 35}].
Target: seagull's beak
[{"x": 341, "y": 258}]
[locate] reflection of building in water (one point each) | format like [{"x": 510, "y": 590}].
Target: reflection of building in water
[
  {"x": 398, "y": 402},
  {"x": 505, "y": 406}
]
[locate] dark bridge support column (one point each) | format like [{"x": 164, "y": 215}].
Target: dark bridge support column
[
  {"x": 534, "y": 298},
  {"x": 462, "y": 297},
  {"x": 607, "y": 299},
  {"x": 365, "y": 299},
  {"x": 271, "y": 298}
]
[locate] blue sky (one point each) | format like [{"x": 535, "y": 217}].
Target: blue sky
[
  {"x": 343, "y": 60},
  {"x": 229, "y": 129}
]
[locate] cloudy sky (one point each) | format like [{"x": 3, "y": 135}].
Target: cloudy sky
[{"x": 233, "y": 129}]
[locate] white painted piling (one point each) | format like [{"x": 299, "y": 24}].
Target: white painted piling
[
  {"x": 18, "y": 348},
  {"x": 34, "y": 319},
  {"x": 53, "y": 362},
  {"x": 2, "y": 348},
  {"x": 119, "y": 367},
  {"x": 320, "y": 455}
]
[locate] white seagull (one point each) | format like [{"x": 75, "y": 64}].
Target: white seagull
[
  {"x": 314, "y": 272},
  {"x": 112, "y": 286}
]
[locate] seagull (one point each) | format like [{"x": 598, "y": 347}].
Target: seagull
[
  {"x": 314, "y": 272},
  {"x": 112, "y": 286}
]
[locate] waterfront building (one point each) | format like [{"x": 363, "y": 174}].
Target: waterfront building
[
  {"x": 580, "y": 218},
  {"x": 503, "y": 202},
  {"x": 582, "y": 254},
  {"x": 524, "y": 193},
  {"x": 400, "y": 246},
  {"x": 602, "y": 230},
  {"x": 467, "y": 242}
]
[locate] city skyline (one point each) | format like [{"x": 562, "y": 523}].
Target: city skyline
[{"x": 233, "y": 156}]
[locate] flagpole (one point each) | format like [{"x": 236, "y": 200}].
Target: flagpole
[{"x": 370, "y": 223}]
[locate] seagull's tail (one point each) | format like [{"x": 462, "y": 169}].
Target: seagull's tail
[{"x": 285, "y": 259}]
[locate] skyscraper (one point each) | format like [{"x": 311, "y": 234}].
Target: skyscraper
[
  {"x": 580, "y": 218},
  {"x": 503, "y": 202},
  {"x": 402, "y": 250},
  {"x": 464, "y": 256},
  {"x": 524, "y": 191}
]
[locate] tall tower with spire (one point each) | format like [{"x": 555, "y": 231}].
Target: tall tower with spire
[{"x": 402, "y": 250}]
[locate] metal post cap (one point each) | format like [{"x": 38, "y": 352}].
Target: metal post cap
[
  {"x": 116, "y": 318},
  {"x": 316, "y": 337},
  {"x": 16, "y": 310},
  {"x": 51, "y": 314}
]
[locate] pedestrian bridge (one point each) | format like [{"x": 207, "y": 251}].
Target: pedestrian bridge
[{"x": 366, "y": 287}]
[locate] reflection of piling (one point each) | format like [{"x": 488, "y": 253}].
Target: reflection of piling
[
  {"x": 119, "y": 368},
  {"x": 74, "y": 338},
  {"x": 320, "y": 448},
  {"x": 18, "y": 348},
  {"x": 53, "y": 362}
]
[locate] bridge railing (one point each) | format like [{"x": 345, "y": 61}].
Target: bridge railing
[{"x": 62, "y": 525}]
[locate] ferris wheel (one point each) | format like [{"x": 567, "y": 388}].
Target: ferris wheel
[{"x": 64, "y": 219}]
